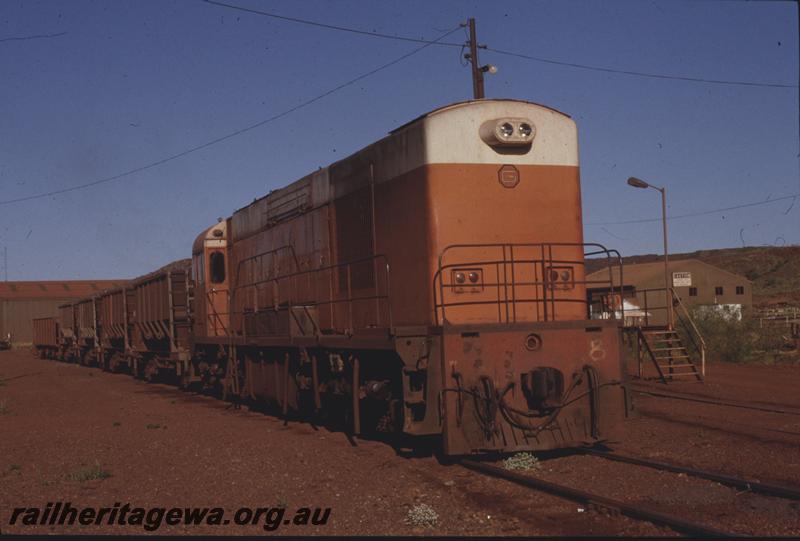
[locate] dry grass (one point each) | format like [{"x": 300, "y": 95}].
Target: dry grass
[{"x": 88, "y": 473}]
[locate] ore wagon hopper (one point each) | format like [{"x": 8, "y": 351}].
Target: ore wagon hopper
[
  {"x": 158, "y": 312},
  {"x": 114, "y": 328},
  {"x": 46, "y": 337}
]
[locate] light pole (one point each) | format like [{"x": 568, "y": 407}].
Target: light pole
[
  {"x": 639, "y": 183},
  {"x": 472, "y": 56}
]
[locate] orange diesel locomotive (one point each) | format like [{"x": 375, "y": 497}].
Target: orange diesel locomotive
[{"x": 431, "y": 284}]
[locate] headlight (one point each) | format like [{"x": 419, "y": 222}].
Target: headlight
[{"x": 507, "y": 132}]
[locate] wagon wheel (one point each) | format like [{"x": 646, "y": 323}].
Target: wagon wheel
[
  {"x": 150, "y": 372},
  {"x": 114, "y": 362}
]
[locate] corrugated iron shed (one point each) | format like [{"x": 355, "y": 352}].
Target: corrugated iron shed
[{"x": 21, "y": 302}]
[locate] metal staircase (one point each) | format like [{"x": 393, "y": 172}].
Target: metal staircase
[
  {"x": 676, "y": 351},
  {"x": 670, "y": 357}
]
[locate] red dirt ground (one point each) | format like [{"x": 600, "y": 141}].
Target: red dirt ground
[{"x": 166, "y": 448}]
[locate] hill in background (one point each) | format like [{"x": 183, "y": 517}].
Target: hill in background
[{"x": 774, "y": 271}]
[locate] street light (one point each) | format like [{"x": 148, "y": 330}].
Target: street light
[{"x": 639, "y": 183}]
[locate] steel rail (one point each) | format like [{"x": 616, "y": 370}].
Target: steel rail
[
  {"x": 716, "y": 402},
  {"x": 584, "y": 497},
  {"x": 744, "y": 484}
]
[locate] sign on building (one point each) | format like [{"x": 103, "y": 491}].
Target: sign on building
[{"x": 681, "y": 279}]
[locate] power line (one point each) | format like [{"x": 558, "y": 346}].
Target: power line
[
  {"x": 702, "y": 213},
  {"x": 502, "y": 52},
  {"x": 331, "y": 26},
  {"x": 231, "y": 134},
  {"x": 639, "y": 73},
  {"x": 38, "y": 36}
]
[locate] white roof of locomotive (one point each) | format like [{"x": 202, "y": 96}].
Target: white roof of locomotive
[
  {"x": 447, "y": 135},
  {"x": 459, "y": 104}
]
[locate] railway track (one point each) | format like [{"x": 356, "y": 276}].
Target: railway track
[
  {"x": 636, "y": 511},
  {"x": 782, "y": 409},
  {"x": 757, "y": 487},
  {"x": 589, "y": 498}
]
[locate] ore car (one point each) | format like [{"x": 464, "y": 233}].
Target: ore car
[
  {"x": 46, "y": 337},
  {"x": 157, "y": 308},
  {"x": 113, "y": 328},
  {"x": 431, "y": 284}
]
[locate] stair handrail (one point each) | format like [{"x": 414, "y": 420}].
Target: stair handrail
[{"x": 695, "y": 329}]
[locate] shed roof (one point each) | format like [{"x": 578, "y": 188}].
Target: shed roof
[
  {"x": 56, "y": 289},
  {"x": 640, "y": 272}
]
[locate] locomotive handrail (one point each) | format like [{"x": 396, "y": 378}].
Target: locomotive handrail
[
  {"x": 349, "y": 298},
  {"x": 216, "y": 315},
  {"x": 267, "y": 253},
  {"x": 231, "y": 296},
  {"x": 506, "y": 265},
  {"x": 702, "y": 346}
]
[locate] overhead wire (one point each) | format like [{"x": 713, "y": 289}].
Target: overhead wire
[
  {"x": 639, "y": 73},
  {"x": 331, "y": 26},
  {"x": 426, "y": 43},
  {"x": 231, "y": 134},
  {"x": 503, "y": 52},
  {"x": 37, "y": 36},
  {"x": 701, "y": 213}
]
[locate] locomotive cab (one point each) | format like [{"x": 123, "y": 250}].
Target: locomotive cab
[{"x": 210, "y": 273}]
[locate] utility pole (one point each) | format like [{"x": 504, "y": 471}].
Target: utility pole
[
  {"x": 5, "y": 261},
  {"x": 477, "y": 69},
  {"x": 477, "y": 73}
]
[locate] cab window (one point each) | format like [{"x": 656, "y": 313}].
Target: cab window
[{"x": 217, "y": 267}]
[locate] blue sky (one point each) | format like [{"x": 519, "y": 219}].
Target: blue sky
[{"x": 132, "y": 82}]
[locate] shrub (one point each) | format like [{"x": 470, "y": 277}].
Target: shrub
[
  {"x": 736, "y": 337},
  {"x": 522, "y": 461},
  {"x": 422, "y": 515}
]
